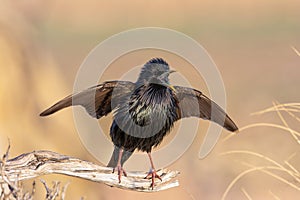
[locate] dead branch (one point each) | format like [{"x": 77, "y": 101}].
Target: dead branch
[{"x": 38, "y": 163}]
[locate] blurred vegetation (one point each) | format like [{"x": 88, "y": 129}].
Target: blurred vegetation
[{"x": 42, "y": 44}]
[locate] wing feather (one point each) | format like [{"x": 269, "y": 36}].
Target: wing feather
[
  {"x": 96, "y": 100},
  {"x": 192, "y": 103}
]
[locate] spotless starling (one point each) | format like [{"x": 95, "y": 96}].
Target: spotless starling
[{"x": 144, "y": 112}]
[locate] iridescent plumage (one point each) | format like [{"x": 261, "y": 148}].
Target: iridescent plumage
[{"x": 144, "y": 111}]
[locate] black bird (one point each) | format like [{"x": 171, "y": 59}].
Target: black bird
[{"x": 144, "y": 111}]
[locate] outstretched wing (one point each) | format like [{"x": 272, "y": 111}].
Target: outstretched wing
[
  {"x": 192, "y": 103},
  {"x": 96, "y": 100}
]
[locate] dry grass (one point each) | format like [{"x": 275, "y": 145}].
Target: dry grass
[
  {"x": 292, "y": 109},
  {"x": 290, "y": 175},
  {"x": 246, "y": 194},
  {"x": 14, "y": 190},
  {"x": 273, "y": 195},
  {"x": 295, "y": 50}
]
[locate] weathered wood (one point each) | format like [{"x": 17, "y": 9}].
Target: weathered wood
[{"x": 38, "y": 163}]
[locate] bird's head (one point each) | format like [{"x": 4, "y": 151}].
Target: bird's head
[{"x": 155, "y": 71}]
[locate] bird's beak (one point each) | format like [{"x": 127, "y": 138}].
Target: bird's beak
[
  {"x": 169, "y": 85},
  {"x": 172, "y": 88}
]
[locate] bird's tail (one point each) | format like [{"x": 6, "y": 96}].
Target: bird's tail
[{"x": 115, "y": 156}]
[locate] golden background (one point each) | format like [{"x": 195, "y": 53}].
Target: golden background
[{"x": 43, "y": 43}]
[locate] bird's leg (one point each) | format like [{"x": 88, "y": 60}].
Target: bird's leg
[
  {"x": 119, "y": 166},
  {"x": 152, "y": 172}
]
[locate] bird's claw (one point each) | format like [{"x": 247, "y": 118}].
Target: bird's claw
[
  {"x": 152, "y": 174},
  {"x": 121, "y": 171}
]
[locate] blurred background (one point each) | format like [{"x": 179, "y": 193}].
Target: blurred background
[{"x": 43, "y": 43}]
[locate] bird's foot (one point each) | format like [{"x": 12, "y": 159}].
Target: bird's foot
[
  {"x": 121, "y": 172},
  {"x": 152, "y": 174}
]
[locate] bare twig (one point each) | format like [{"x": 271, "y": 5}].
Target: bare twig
[
  {"x": 51, "y": 193},
  {"x": 37, "y": 163},
  {"x": 63, "y": 190}
]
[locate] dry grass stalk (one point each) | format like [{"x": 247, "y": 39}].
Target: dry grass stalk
[
  {"x": 295, "y": 50},
  {"x": 246, "y": 194},
  {"x": 273, "y": 195},
  {"x": 287, "y": 167}
]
